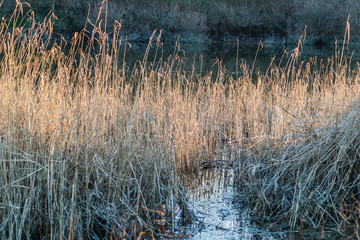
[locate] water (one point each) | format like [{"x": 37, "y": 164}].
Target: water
[
  {"x": 221, "y": 214},
  {"x": 219, "y": 209},
  {"x": 205, "y": 57},
  {"x": 212, "y": 204}
]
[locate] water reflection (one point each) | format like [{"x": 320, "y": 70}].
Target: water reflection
[
  {"x": 219, "y": 209},
  {"x": 221, "y": 214},
  {"x": 204, "y": 57}
]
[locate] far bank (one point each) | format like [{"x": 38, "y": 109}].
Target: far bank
[{"x": 278, "y": 21}]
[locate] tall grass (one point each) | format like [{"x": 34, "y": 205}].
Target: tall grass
[
  {"x": 313, "y": 182},
  {"x": 79, "y": 156},
  {"x": 313, "y": 179},
  {"x": 89, "y": 151}
]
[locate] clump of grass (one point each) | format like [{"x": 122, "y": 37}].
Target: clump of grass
[
  {"x": 76, "y": 161},
  {"x": 313, "y": 179}
]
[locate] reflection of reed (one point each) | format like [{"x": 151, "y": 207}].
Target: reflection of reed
[{"x": 208, "y": 182}]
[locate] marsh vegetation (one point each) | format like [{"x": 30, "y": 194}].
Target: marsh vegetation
[{"x": 88, "y": 150}]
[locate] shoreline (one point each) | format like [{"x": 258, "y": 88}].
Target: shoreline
[
  {"x": 243, "y": 40},
  {"x": 278, "y": 22}
]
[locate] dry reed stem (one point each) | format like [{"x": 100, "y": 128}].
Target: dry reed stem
[
  {"x": 315, "y": 175},
  {"x": 96, "y": 147},
  {"x": 312, "y": 178}
]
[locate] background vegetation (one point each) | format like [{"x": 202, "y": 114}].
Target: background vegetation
[{"x": 199, "y": 20}]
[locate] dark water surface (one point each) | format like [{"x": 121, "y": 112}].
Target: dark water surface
[{"x": 205, "y": 57}]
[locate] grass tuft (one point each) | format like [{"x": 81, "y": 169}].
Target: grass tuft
[{"x": 310, "y": 176}]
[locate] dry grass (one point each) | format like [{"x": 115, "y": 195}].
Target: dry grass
[
  {"x": 78, "y": 153},
  {"x": 87, "y": 150},
  {"x": 313, "y": 179}
]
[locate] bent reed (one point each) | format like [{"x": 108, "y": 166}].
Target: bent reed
[
  {"x": 310, "y": 177},
  {"x": 88, "y": 150}
]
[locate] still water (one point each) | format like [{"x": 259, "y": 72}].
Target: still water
[
  {"x": 205, "y": 57},
  {"x": 220, "y": 212}
]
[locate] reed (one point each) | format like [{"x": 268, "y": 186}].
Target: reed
[
  {"x": 88, "y": 150},
  {"x": 79, "y": 157},
  {"x": 313, "y": 179},
  {"x": 310, "y": 182}
]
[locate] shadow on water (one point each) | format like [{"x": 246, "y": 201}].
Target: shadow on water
[{"x": 205, "y": 57}]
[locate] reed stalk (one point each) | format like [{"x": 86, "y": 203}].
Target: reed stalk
[{"x": 88, "y": 150}]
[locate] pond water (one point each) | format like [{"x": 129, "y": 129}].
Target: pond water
[
  {"x": 219, "y": 211},
  {"x": 203, "y": 57},
  {"x": 221, "y": 214},
  {"x": 218, "y": 208}
]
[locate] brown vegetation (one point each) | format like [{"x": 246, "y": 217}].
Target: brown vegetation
[
  {"x": 313, "y": 179},
  {"x": 87, "y": 149}
]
